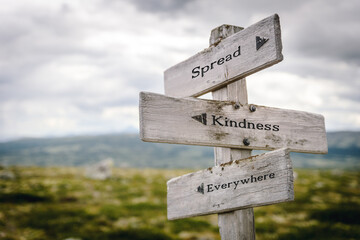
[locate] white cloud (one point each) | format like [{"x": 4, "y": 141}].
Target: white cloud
[{"x": 70, "y": 67}]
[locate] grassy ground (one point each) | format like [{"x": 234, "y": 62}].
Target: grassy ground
[{"x": 60, "y": 203}]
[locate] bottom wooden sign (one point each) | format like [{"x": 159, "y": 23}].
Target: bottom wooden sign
[{"x": 256, "y": 181}]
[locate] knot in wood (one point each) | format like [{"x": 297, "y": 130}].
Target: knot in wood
[{"x": 222, "y": 32}]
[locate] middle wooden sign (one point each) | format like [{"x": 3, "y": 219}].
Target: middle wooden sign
[{"x": 227, "y": 124}]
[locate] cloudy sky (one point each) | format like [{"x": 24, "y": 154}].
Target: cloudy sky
[{"x": 77, "y": 67}]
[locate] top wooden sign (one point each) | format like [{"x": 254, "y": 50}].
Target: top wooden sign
[{"x": 248, "y": 51}]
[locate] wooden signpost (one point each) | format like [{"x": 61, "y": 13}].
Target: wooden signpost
[
  {"x": 256, "y": 181},
  {"x": 238, "y": 181},
  {"x": 228, "y": 124},
  {"x": 241, "y": 54}
]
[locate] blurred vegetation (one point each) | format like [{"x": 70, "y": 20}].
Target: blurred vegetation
[
  {"x": 60, "y": 203},
  {"x": 344, "y": 152}
]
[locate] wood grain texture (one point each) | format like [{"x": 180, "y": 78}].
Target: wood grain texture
[
  {"x": 239, "y": 224},
  {"x": 179, "y": 81},
  {"x": 234, "y": 92},
  {"x": 222, "y": 32},
  {"x": 169, "y": 120},
  {"x": 256, "y": 181}
]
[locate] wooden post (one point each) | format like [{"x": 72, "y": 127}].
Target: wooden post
[
  {"x": 175, "y": 118},
  {"x": 238, "y": 224}
]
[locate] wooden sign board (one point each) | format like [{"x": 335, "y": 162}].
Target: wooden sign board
[
  {"x": 239, "y": 55},
  {"x": 251, "y": 182},
  {"x": 225, "y": 124}
]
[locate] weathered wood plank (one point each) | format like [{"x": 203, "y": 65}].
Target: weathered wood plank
[
  {"x": 239, "y": 224},
  {"x": 220, "y": 33},
  {"x": 256, "y": 181},
  {"x": 241, "y": 54},
  {"x": 221, "y": 124}
]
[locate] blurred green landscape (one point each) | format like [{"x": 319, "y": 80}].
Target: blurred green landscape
[
  {"x": 127, "y": 150},
  {"x": 45, "y": 194},
  {"x": 60, "y": 203}
]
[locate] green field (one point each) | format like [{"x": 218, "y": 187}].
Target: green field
[{"x": 60, "y": 203}]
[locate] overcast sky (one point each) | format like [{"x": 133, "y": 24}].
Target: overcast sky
[{"x": 77, "y": 67}]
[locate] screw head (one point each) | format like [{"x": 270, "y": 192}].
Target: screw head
[
  {"x": 246, "y": 142},
  {"x": 252, "y": 108},
  {"x": 237, "y": 106}
]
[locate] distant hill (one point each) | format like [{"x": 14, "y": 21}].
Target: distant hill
[{"x": 127, "y": 150}]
